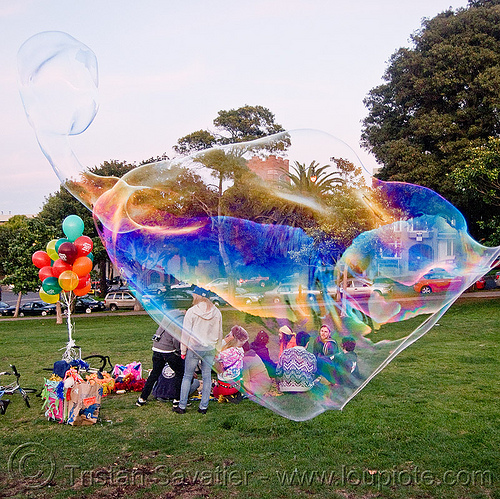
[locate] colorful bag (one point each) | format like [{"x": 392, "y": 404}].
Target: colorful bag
[
  {"x": 134, "y": 369},
  {"x": 84, "y": 404},
  {"x": 51, "y": 400},
  {"x": 106, "y": 381}
]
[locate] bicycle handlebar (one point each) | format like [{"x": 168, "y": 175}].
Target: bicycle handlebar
[{"x": 14, "y": 370}]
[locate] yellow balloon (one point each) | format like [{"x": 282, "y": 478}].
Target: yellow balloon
[
  {"x": 51, "y": 250},
  {"x": 48, "y": 298},
  {"x": 68, "y": 280}
]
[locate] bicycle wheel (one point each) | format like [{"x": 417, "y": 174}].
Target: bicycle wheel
[{"x": 96, "y": 362}]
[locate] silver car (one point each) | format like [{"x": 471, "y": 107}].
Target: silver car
[{"x": 119, "y": 299}]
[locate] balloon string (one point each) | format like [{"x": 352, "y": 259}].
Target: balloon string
[{"x": 68, "y": 298}]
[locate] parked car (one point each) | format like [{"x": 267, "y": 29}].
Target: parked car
[
  {"x": 363, "y": 287},
  {"x": 87, "y": 305},
  {"x": 242, "y": 296},
  {"x": 436, "y": 281},
  {"x": 183, "y": 298},
  {"x": 36, "y": 308},
  {"x": 119, "y": 299},
  {"x": 154, "y": 288},
  {"x": 181, "y": 285},
  {"x": 220, "y": 283},
  {"x": 254, "y": 281},
  {"x": 175, "y": 298},
  {"x": 290, "y": 292},
  {"x": 6, "y": 309},
  {"x": 497, "y": 279}
]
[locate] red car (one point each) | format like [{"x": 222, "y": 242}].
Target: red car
[{"x": 437, "y": 280}]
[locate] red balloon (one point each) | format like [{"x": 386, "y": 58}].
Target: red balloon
[
  {"x": 83, "y": 281},
  {"x": 84, "y": 245},
  {"x": 82, "y": 266},
  {"x": 45, "y": 272},
  {"x": 59, "y": 267},
  {"x": 41, "y": 259},
  {"x": 67, "y": 252},
  {"x": 83, "y": 291}
]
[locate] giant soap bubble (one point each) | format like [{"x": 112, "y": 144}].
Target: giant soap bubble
[{"x": 285, "y": 228}]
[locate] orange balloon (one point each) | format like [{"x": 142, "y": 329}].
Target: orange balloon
[
  {"x": 82, "y": 266},
  {"x": 68, "y": 280},
  {"x": 83, "y": 291}
]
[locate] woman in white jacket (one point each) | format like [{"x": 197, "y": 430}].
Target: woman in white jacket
[{"x": 201, "y": 339}]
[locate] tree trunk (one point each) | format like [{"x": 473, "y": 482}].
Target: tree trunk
[
  {"x": 59, "y": 318},
  {"x": 103, "y": 283},
  {"x": 231, "y": 279},
  {"x": 18, "y": 304}
]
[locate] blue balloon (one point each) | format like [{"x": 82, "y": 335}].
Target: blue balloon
[{"x": 73, "y": 227}]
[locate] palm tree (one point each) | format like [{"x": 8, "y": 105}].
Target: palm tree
[{"x": 313, "y": 179}]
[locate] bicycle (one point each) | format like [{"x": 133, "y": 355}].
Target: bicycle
[
  {"x": 96, "y": 362},
  {"x": 13, "y": 387}
]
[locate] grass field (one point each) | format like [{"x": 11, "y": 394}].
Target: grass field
[{"x": 427, "y": 426}]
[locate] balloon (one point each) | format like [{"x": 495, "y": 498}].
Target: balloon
[
  {"x": 84, "y": 245},
  {"x": 59, "y": 267},
  {"x": 40, "y": 259},
  {"x": 73, "y": 227},
  {"x": 82, "y": 266},
  {"x": 82, "y": 291},
  {"x": 60, "y": 241},
  {"x": 48, "y": 298},
  {"x": 312, "y": 238},
  {"x": 91, "y": 256},
  {"x": 45, "y": 272},
  {"x": 83, "y": 282},
  {"x": 67, "y": 252},
  {"x": 51, "y": 249},
  {"x": 68, "y": 280},
  {"x": 51, "y": 286}
]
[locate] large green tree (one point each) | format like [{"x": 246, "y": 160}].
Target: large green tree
[
  {"x": 440, "y": 98},
  {"x": 311, "y": 179},
  {"x": 60, "y": 204},
  {"x": 236, "y": 125},
  {"x": 227, "y": 166},
  {"x": 481, "y": 176},
  {"x": 7, "y": 231},
  {"x": 31, "y": 234}
]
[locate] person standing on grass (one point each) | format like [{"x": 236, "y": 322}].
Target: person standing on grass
[
  {"x": 166, "y": 350},
  {"x": 201, "y": 339}
]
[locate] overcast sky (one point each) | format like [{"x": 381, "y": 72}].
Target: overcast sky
[{"x": 166, "y": 67}]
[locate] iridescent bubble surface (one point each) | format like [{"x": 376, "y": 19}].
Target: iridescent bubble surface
[{"x": 292, "y": 231}]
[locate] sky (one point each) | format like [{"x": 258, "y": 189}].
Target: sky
[{"x": 167, "y": 67}]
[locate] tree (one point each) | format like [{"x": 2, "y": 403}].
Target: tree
[
  {"x": 30, "y": 236},
  {"x": 481, "y": 175},
  {"x": 60, "y": 204},
  {"x": 313, "y": 179},
  {"x": 236, "y": 125},
  {"x": 482, "y": 172},
  {"x": 228, "y": 166},
  {"x": 246, "y": 123},
  {"x": 439, "y": 99},
  {"x": 7, "y": 231},
  {"x": 196, "y": 141}
]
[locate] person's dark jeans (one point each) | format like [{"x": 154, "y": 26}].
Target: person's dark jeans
[{"x": 159, "y": 361}]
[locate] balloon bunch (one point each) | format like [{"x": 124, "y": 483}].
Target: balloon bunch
[
  {"x": 65, "y": 271},
  {"x": 66, "y": 264}
]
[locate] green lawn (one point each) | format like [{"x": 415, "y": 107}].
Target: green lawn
[{"x": 427, "y": 426}]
